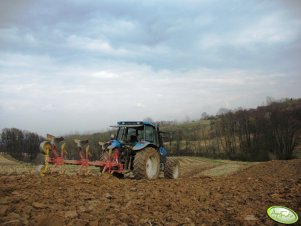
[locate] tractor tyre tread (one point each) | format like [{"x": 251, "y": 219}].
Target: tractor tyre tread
[
  {"x": 141, "y": 157},
  {"x": 170, "y": 166}
]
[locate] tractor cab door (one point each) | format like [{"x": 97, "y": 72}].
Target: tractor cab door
[
  {"x": 161, "y": 142},
  {"x": 150, "y": 135}
]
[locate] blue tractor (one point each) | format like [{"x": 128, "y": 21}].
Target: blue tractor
[{"x": 138, "y": 148}]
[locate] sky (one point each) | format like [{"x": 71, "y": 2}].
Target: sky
[{"x": 81, "y": 66}]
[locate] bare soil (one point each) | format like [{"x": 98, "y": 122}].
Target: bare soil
[{"x": 209, "y": 193}]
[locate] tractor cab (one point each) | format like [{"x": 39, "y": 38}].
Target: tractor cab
[
  {"x": 138, "y": 133},
  {"x": 132, "y": 140}
]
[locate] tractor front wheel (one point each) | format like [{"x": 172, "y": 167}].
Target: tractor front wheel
[
  {"x": 147, "y": 164},
  {"x": 172, "y": 169}
]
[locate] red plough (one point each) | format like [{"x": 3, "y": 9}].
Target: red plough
[{"x": 109, "y": 162}]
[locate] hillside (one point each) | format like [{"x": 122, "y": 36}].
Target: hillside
[{"x": 9, "y": 165}]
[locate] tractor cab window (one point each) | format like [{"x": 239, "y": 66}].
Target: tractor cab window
[
  {"x": 130, "y": 134},
  {"x": 140, "y": 134},
  {"x": 120, "y": 133},
  {"x": 150, "y": 134}
]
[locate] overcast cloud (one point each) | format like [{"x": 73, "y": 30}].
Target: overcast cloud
[{"x": 74, "y": 65}]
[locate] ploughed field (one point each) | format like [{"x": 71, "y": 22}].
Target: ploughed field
[{"x": 210, "y": 192}]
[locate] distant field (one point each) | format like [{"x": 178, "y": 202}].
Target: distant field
[
  {"x": 190, "y": 167},
  {"x": 198, "y": 166},
  {"x": 9, "y": 165}
]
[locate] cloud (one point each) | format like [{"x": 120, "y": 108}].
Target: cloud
[
  {"x": 9, "y": 9},
  {"x": 139, "y": 105},
  {"x": 48, "y": 107},
  {"x": 105, "y": 75},
  {"x": 100, "y": 45},
  {"x": 270, "y": 30}
]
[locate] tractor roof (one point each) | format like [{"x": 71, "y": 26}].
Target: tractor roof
[{"x": 136, "y": 123}]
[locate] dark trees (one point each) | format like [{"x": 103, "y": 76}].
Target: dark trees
[
  {"x": 268, "y": 132},
  {"x": 22, "y": 145}
]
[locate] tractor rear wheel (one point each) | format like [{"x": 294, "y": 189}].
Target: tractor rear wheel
[
  {"x": 172, "y": 169},
  {"x": 147, "y": 164}
]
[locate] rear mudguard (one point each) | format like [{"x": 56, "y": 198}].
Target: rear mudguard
[{"x": 141, "y": 145}]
